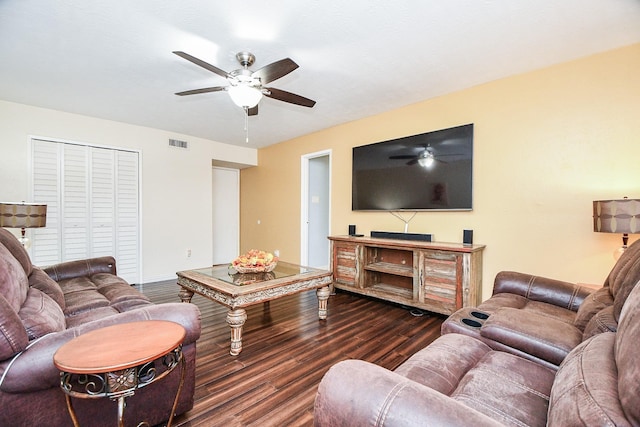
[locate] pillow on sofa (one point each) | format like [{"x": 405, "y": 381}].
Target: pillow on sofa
[
  {"x": 13, "y": 279},
  {"x": 602, "y": 321},
  {"x": 591, "y": 305},
  {"x": 41, "y": 315},
  {"x": 40, "y": 280},
  {"x": 13, "y": 337}
]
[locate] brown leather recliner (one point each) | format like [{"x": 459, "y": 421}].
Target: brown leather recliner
[
  {"x": 458, "y": 380},
  {"x": 543, "y": 319}
]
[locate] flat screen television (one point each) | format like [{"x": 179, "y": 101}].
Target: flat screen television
[{"x": 428, "y": 171}]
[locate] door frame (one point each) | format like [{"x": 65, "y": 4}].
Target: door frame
[{"x": 304, "y": 201}]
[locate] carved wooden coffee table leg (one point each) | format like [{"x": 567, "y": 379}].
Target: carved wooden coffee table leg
[
  {"x": 185, "y": 294},
  {"x": 236, "y": 319},
  {"x": 323, "y": 297}
]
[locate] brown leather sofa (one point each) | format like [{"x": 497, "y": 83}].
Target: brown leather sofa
[
  {"x": 42, "y": 309},
  {"x": 459, "y": 380},
  {"x": 543, "y": 319}
]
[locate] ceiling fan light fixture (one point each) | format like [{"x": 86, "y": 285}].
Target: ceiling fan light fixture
[
  {"x": 245, "y": 96},
  {"x": 426, "y": 159}
]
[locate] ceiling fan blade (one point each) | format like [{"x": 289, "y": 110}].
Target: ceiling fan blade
[
  {"x": 292, "y": 98},
  {"x": 412, "y": 162},
  {"x": 275, "y": 70},
  {"x": 405, "y": 156},
  {"x": 202, "y": 64},
  {"x": 253, "y": 111},
  {"x": 203, "y": 90}
]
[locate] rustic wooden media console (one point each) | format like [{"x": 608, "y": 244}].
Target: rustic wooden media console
[{"x": 434, "y": 276}]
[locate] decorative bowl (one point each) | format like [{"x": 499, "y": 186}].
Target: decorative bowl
[{"x": 255, "y": 261}]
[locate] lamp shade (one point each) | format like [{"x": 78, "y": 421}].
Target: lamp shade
[
  {"x": 22, "y": 215},
  {"x": 616, "y": 216}
]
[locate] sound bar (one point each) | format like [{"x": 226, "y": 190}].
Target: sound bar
[{"x": 401, "y": 236}]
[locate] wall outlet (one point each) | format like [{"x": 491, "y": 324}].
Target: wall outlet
[
  {"x": 276, "y": 252},
  {"x": 188, "y": 253}
]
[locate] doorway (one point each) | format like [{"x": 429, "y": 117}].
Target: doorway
[
  {"x": 316, "y": 208},
  {"x": 226, "y": 214}
]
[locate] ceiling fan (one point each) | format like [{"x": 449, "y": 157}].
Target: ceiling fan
[
  {"x": 246, "y": 87},
  {"x": 425, "y": 158}
]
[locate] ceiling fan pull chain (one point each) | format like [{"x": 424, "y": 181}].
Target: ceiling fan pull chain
[{"x": 246, "y": 124}]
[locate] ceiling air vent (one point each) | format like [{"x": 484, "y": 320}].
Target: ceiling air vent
[{"x": 178, "y": 144}]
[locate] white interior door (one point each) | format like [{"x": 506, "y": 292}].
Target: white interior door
[
  {"x": 316, "y": 208},
  {"x": 226, "y": 214}
]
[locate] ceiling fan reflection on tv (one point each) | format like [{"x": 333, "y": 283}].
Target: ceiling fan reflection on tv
[
  {"x": 247, "y": 87},
  {"x": 426, "y": 157}
]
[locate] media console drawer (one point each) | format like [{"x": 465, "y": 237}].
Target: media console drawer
[{"x": 438, "y": 277}]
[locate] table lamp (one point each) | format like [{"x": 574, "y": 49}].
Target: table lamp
[
  {"x": 617, "y": 216},
  {"x": 23, "y": 216}
]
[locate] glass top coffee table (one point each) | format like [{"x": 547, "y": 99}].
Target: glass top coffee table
[{"x": 222, "y": 284}]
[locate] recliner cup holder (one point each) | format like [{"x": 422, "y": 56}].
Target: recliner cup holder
[
  {"x": 480, "y": 315},
  {"x": 471, "y": 322}
]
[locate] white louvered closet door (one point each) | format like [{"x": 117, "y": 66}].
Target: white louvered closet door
[{"x": 92, "y": 205}]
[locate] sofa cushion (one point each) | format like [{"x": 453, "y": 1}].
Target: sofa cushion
[
  {"x": 41, "y": 315},
  {"x": 80, "y": 295},
  {"x": 624, "y": 276},
  {"x": 15, "y": 248},
  {"x": 13, "y": 336},
  {"x": 465, "y": 368},
  {"x": 120, "y": 294},
  {"x": 592, "y": 304},
  {"x": 13, "y": 279},
  {"x": 118, "y": 291},
  {"x": 40, "y": 280},
  {"x": 539, "y": 335},
  {"x": 96, "y": 314},
  {"x": 627, "y": 357},
  {"x": 550, "y": 310},
  {"x": 585, "y": 391},
  {"x": 602, "y": 321},
  {"x": 442, "y": 365},
  {"x": 506, "y": 300},
  {"x": 519, "y": 389}
]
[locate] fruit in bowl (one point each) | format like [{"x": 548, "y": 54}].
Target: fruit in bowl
[{"x": 255, "y": 261}]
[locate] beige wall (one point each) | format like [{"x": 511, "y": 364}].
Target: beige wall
[
  {"x": 547, "y": 143},
  {"x": 176, "y": 184}
]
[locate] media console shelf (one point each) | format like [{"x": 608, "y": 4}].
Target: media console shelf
[{"x": 434, "y": 276}]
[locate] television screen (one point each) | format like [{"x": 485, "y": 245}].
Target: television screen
[{"x": 428, "y": 171}]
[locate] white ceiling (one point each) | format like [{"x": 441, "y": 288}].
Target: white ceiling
[{"x": 112, "y": 59}]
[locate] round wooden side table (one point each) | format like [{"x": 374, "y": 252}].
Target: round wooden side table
[{"x": 116, "y": 360}]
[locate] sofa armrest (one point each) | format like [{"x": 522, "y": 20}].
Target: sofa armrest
[
  {"x": 33, "y": 368},
  {"x": 80, "y": 268},
  {"x": 541, "y": 336},
  {"x": 557, "y": 292},
  {"x": 355, "y": 392}
]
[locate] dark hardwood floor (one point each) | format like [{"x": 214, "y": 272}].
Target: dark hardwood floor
[{"x": 287, "y": 350}]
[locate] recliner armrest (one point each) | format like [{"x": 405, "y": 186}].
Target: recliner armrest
[
  {"x": 80, "y": 268},
  {"x": 355, "y": 392},
  {"x": 541, "y": 336},
  {"x": 557, "y": 292}
]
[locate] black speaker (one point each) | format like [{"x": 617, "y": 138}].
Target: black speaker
[
  {"x": 467, "y": 237},
  {"x": 352, "y": 230}
]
